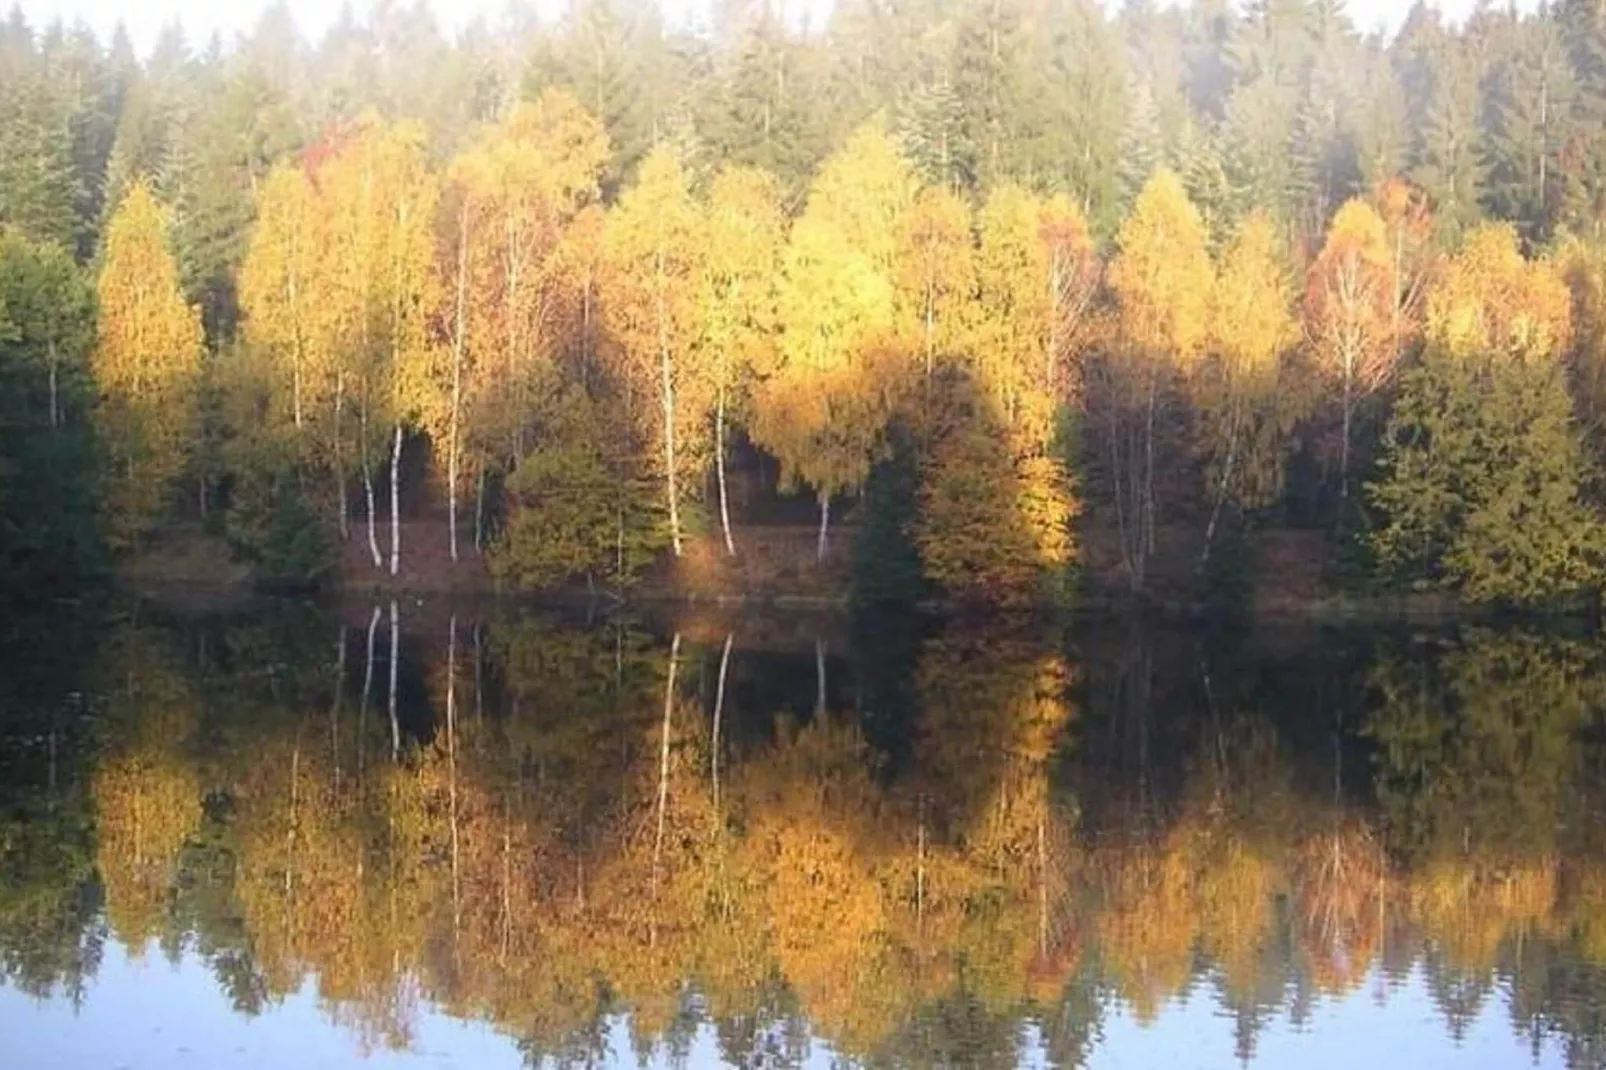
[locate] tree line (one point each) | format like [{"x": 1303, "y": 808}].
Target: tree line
[{"x": 983, "y": 270}]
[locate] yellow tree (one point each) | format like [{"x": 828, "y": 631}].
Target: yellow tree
[
  {"x": 285, "y": 323},
  {"x": 823, "y": 409},
  {"x": 1038, "y": 275},
  {"x": 1351, "y": 313},
  {"x": 510, "y": 199},
  {"x": 1075, "y": 273},
  {"x": 1161, "y": 278},
  {"x": 275, "y": 299},
  {"x": 1408, "y": 224},
  {"x": 936, "y": 274},
  {"x": 743, "y": 267},
  {"x": 1583, "y": 264},
  {"x": 1239, "y": 393},
  {"x": 1490, "y": 299},
  {"x": 147, "y": 365},
  {"x": 379, "y": 200},
  {"x": 656, "y": 252},
  {"x": 1015, "y": 300}
]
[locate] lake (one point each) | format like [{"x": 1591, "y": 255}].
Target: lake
[{"x": 482, "y": 836}]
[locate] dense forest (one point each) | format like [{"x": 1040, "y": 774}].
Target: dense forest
[{"x": 1001, "y": 277}]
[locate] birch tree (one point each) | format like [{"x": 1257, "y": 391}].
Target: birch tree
[
  {"x": 1242, "y": 402},
  {"x": 511, "y": 197},
  {"x": 744, "y": 248},
  {"x": 823, "y": 410},
  {"x": 1161, "y": 279},
  {"x": 381, "y": 199},
  {"x": 655, "y": 246},
  {"x": 1351, "y": 312}
]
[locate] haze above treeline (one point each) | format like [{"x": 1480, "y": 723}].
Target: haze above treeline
[{"x": 1008, "y": 271}]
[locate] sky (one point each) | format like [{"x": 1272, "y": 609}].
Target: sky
[{"x": 200, "y": 18}]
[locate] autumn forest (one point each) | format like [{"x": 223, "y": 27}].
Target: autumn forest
[{"x": 1011, "y": 297}]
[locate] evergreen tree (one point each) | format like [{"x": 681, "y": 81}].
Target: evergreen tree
[
  {"x": 1479, "y": 490},
  {"x": 1530, "y": 98},
  {"x": 38, "y": 182},
  {"x": 49, "y": 534}
]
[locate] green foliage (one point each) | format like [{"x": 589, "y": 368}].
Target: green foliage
[
  {"x": 49, "y": 532},
  {"x": 1479, "y": 483},
  {"x": 570, "y": 516},
  {"x": 270, "y": 520},
  {"x": 886, "y": 567}
]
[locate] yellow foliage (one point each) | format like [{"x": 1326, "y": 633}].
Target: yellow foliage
[
  {"x": 936, "y": 275},
  {"x": 1161, "y": 275},
  {"x": 1490, "y": 299},
  {"x": 1349, "y": 295},
  {"x": 279, "y": 300},
  {"x": 147, "y": 364},
  {"x": 1246, "y": 407}
]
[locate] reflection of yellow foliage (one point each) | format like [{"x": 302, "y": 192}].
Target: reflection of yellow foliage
[
  {"x": 1471, "y": 910},
  {"x": 148, "y": 804},
  {"x": 1148, "y": 925},
  {"x": 146, "y": 791},
  {"x": 1340, "y": 879}
]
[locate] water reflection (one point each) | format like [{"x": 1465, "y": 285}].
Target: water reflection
[{"x": 902, "y": 843}]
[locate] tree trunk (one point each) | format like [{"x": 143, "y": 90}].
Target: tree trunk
[
  {"x": 55, "y": 393},
  {"x": 825, "y": 526},
  {"x": 395, "y": 650},
  {"x": 334, "y": 707},
  {"x": 451, "y": 770},
  {"x": 340, "y": 466},
  {"x": 663, "y": 778},
  {"x": 1343, "y": 463},
  {"x": 1221, "y": 495},
  {"x": 1148, "y": 465},
  {"x": 719, "y": 715},
  {"x": 459, "y": 340},
  {"x": 395, "y": 501},
  {"x": 819, "y": 677},
  {"x": 479, "y": 512},
  {"x": 666, "y": 382},
  {"x": 368, "y": 486},
  {"x": 719, "y": 467},
  {"x": 367, "y": 687}
]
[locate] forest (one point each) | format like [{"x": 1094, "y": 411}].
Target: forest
[{"x": 1026, "y": 291}]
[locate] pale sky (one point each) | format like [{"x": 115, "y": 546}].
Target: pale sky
[{"x": 200, "y": 18}]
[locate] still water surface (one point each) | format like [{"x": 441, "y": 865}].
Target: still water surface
[{"x": 294, "y": 837}]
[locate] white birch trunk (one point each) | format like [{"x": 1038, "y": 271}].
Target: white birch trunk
[
  {"x": 719, "y": 467},
  {"x": 368, "y": 487},
  {"x": 825, "y": 527},
  {"x": 395, "y": 650},
  {"x": 395, "y": 501},
  {"x": 663, "y": 778}
]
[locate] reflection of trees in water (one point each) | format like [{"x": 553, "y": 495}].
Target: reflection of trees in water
[{"x": 584, "y": 822}]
